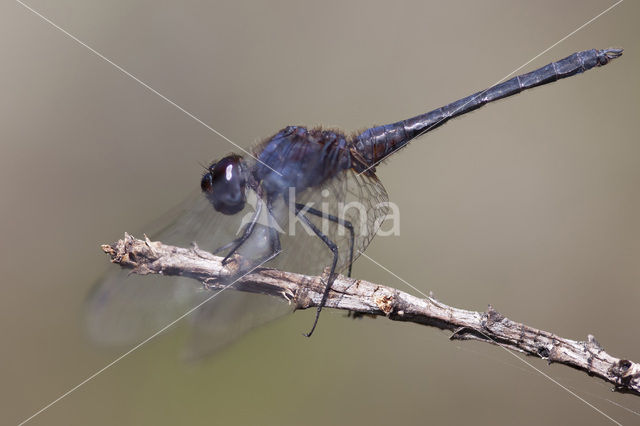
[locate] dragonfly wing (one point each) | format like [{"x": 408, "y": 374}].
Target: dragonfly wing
[
  {"x": 217, "y": 323},
  {"x": 124, "y": 308},
  {"x": 357, "y": 198}
]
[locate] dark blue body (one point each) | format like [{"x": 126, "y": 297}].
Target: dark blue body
[
  {"x": 300, "y": 158},
  {"x": 377, "y": 143}
]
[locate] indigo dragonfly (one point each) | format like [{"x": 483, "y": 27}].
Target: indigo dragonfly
[{"x": 305, "y": 200}]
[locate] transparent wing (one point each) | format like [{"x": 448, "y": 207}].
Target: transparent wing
[
  {"x": 218, "y": 324},
  {"x": 124, "y": 308},
  {"x": 359, "y": 199}
]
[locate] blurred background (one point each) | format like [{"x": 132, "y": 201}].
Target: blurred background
[{"x": 531, "y": 204}]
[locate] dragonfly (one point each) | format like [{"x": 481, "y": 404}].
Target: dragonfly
[{"x": 305, "y": 199}]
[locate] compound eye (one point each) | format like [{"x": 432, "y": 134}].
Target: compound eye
[
  {"x": 207, "y": 182},
  {"x": 224, "y": 185}
]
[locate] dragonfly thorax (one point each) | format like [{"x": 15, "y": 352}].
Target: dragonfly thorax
[{"x": 299, "y": 158}]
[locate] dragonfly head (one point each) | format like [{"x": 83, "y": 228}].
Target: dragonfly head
[{"x": 224, "y": 184}]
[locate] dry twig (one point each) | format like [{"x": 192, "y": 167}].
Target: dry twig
[{"x": 146, "y": 257}]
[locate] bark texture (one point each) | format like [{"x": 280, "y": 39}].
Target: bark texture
[{"x": 363, "y": 297}]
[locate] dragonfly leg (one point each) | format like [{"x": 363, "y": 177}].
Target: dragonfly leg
[
  {"x": 332, "y": 274},
  {"x": 339, "y": 221},
  {"x": 245, "y": 235},
  {"x": 274, "y": 238},
  {"x": 226, "y": 246}
]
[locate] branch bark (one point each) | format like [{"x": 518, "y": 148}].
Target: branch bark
[{"x": 146, "y": 257}]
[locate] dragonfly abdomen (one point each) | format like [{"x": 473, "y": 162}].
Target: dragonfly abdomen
[{"x": 377, "y": 143}]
